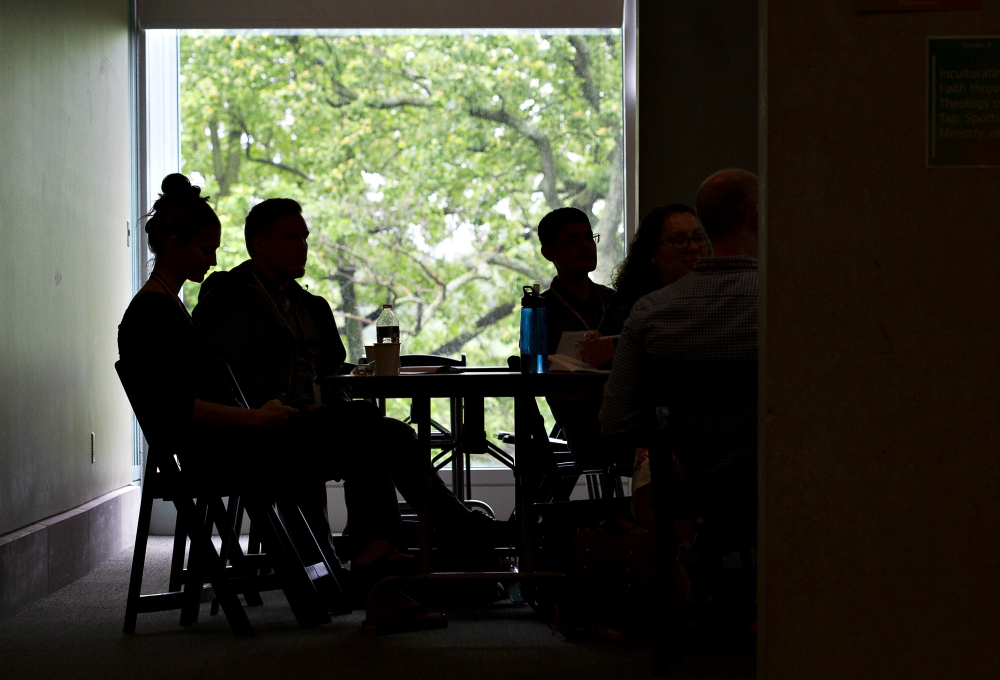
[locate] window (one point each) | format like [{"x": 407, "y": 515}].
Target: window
[{"x": 423, "y": 160}]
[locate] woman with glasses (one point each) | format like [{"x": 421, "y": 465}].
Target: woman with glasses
[
  {"x": 668, "y": 243},
  {"x": 665, "y": 247}
]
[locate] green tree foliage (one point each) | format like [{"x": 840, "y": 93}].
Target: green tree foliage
[{"x": 423, "y": 163}]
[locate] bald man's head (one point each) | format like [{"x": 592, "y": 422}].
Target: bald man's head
[{"x": 727, "y": 203}]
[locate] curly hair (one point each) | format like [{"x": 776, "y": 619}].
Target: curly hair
[{"x": 637, "y": 275}]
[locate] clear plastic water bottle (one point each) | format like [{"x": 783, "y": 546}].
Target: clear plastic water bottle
[
  {"x": 534, "y": 343},
  {"x": 387, "y": 326}
]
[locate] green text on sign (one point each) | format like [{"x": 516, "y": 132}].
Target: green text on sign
[{"x": 963, "y": 107}]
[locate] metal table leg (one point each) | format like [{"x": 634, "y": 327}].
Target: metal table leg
[
  {"x": 524, "y": 473},
  {"x": 421, "y": 412},
  {"x": 457, "y": 457}
]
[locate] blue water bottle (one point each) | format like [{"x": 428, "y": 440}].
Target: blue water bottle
[{"x": 534, "y": 332}]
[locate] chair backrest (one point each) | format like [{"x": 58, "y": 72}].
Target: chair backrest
[
  {"x": 688, "y": 383},
  {"x": 162, "y": 472},
  {"x": 131, "y": 383},
  {"x": 711, "y": 412}
]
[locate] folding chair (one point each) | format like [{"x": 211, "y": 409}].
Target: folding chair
[{"x": 311, "y": 590}]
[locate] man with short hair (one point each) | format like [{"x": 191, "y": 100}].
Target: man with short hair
[
  {"x": 710, "y": 314},
  {"x": 278, "y": 338},
  {"x": 575, "y": 303}
]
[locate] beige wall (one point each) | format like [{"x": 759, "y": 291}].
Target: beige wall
[
  {"x": 881, "y": 474},
  {"x": 64, "y": 265}
]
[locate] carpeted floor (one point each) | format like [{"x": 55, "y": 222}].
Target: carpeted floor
[{"x": 76, "y": 633}]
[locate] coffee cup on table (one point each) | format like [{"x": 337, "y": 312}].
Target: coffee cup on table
[{"x": 386, "y": 357}]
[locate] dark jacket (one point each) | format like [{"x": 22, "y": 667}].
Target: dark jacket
[
  {"x": 565, "y": 313},
  {"x": 244, "y": 328}
]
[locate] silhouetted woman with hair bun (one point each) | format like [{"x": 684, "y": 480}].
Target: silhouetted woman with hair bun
[{"x": 192, "y": 408}]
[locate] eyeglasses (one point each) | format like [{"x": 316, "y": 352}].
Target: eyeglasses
[
  {"x": 680, "y": 241},
  {"x": 578, "y": 240}
]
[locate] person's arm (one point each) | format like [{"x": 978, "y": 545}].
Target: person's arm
[
  {"x": 622, "y": 410},
  {"x": 596, "y": 350},
  {"x": 218, "y": 415}
]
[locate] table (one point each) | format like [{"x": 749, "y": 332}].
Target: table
[{"x": 532, "y": 440}]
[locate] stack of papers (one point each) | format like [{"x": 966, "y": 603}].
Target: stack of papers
[
  {"x": 560, "y": 363},
  {"x": 425, "y": 370}
]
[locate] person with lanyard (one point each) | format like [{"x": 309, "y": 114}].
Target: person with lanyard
[
  {"x": 278, "y": 338},
  {"x": 192, "y": 406},
  {"x": 575, "y": 303}
]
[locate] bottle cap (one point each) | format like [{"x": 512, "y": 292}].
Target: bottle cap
[
  {"x": 386, "y": 306},
  {"x": 530, "y": 296}
]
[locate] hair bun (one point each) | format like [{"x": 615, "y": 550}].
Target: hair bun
[{"x": 176, "y": 185}]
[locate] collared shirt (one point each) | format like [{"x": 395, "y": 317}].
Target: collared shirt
[{"x": 710, "y": 314}]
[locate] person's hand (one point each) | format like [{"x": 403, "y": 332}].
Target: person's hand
[
  {"x": 274, "y": 413},
  {"x": 595, "y": 350}
]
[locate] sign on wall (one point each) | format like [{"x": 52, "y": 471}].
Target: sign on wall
[
  {"x": 963, "y": 102},
  {"x": 914, "y": 5}
]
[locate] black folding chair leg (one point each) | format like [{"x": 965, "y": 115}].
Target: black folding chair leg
[
  {"x": 138, "y": 559},
  {"x": 177, "y": 558},
  {"x": 295, "y": 582},
  {"x": 320, "y": 571},
  {"x": 231, "y": 550},
  {"x": 228, "y": 515},
  {"x": 198, "y": 523},
  {"x": 206, "y": 563}
]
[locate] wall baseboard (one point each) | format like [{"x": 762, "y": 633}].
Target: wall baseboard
[
  {"x": 42, "y": 558},
  {"x": 495, "y": 486}
]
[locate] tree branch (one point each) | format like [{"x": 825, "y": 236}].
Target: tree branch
[
  {"x": 482, "y": 323},
  {"x": 398, "y": 101},
  {"x": 280, "y": 166},
  {"x": 516, "y": 266},
  {"x": 535, "y": 135}
]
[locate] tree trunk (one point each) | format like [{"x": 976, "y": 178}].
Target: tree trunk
[
  {"x": 610, "y": 250},
  {"x": 226, "y": 168},
  {"x": 349, "y": 301}
]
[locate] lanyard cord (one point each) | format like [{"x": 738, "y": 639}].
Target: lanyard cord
[
  {"x": 277, "y": 310},
  {"x": 586, "y": 326},
  {"x": 300, "y": 357}
]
